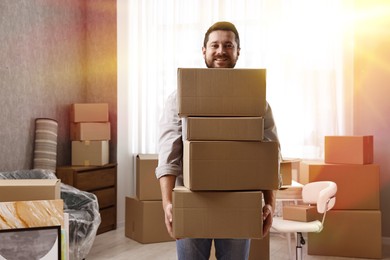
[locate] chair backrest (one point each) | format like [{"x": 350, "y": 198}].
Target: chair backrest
[{"x": 320, "y": 193}]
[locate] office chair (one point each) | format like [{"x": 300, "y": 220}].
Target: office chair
[{"x": 321, "y": 193}]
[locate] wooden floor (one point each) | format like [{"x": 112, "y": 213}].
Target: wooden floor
[{"x": 114, "y": 245}]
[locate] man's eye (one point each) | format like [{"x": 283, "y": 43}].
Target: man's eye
[
  {"x": 229, "y": 45},
  {"x": 215, "y": 46}
]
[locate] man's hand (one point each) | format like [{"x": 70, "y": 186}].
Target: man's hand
[
  {"x": 267, "y": 219},
  {"x": 168, "y": 218}
]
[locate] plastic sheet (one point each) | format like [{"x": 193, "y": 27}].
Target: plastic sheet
[{"x": 82, "y": 206}]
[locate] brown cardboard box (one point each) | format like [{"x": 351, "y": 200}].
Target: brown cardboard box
[
  {"x": 223, "y": 128},
  {"x": 89, "y": 112},
  {"x": 90, "y": 131},
  {"x": 218, "y": 214},
  {"x": 304, "y": 213},
  {"x": 289, "y": 170},
  {"x": 90, "y": 153},
  {"x": 349, "y": 149},
  {"x": 348, "y": 233},
  {"x": 145, "y": 221},
  {"x": 28, "y": 214},
  {"x": 230, "y": 165},
  {"x": 259, "y": 249},
  {"x": 291, "y": 192},
  {"x": 357, "y": 185},
  {"x": 221, "y": 92},
  {"x": 25, "y": 190},
  {"x": 147, "y": 185}
]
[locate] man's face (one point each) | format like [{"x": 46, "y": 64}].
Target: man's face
[{"x": 221, "y": 50}]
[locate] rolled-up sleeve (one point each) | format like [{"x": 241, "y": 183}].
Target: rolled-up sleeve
[{"x": 170, "y": 154}]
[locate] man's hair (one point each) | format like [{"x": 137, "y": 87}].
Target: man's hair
[{"x": 223, "y": 26}]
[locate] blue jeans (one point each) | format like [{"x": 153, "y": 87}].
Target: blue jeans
[{"x": 225, "y": 249}]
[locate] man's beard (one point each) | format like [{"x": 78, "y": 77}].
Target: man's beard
[{"x": 230, "y": 65}]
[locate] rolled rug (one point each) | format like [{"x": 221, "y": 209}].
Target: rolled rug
[{"x": 45, "y": 145}]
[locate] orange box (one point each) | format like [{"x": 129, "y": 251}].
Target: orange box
[
  {"x": 348, "y": 233},
  {"x": 357, "y": 185},
  {"x": 303, "y": 213},
  {"x": 89, "y": 112},
  {"x": 349, "y": 149},
  {"x": 90, "y": 131}
]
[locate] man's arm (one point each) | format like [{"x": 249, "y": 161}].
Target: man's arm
[
  {"x": 167, "y": 183},
  {"x": 268, "y": 210}
]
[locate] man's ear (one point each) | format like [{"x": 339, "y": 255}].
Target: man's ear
[
  {"x": 204, "y": 52},
  {"x": 238, "y": 52}
]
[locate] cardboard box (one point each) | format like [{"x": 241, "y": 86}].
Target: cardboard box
[
  {"x": 349, "y": 149},
  {"x": 221, "y": 92},
  {"x": 90, "y": 131},
  {"x": 90, "y": 153},
  {"x": 230, "y": 165},
  {"x": 32, "y": 189},
  {"x": 291, "y": 192},
  {"x": 348, "y": 233},
  {"x": 221, "y": 214},
  {"x": 303, "y": 213},
  {"x": 145, "y": 221},
  {"x": 147, "y": 185},
  {"x": 28, "y": 214},
  {"x": 260, "y": 249},
  {"x": 89, "y": 112},
  {"x": 357, "y": 185},
  {"x": 289, "y": 170},
  {"x": 223, "y": 128}
]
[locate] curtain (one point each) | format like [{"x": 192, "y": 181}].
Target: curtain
[{"x": 306, "y": 47}]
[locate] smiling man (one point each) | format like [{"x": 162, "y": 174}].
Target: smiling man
[{"x": 221, "y": 49}]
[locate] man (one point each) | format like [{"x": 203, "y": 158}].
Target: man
[{"x": 221, "y": 49}]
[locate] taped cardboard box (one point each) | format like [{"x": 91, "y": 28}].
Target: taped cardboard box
[
  {"x": 222, "y": 214},
  {"x": 349, "y": 149},
  {"x": 221, "y": 92},
  {"x": 32, "y": 189},
  {"x": 348, "y": 233},
  {"x": 90, "y": 131},
  {"x": 90, "y": 153},
  {"x": 357, "y": 185},
  {"x": 89, "y": 112},
  {"x": 223, "y": 128},
  {"x": 303, "y": 213},
  {"x": 147, "y": 185},
  {"x": 230, "y": 165},
  {"x": 145, "y": 221}
]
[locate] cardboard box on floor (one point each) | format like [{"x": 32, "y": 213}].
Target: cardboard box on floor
[
  {"x": 349, "y": 149},
  {"x": 26, "y": 190},
  {"x": 147, "y": 185},
  {"x": 348, "y": 233},
  {"x": 259, "y": 249},
  {"x": 303, "y": 213},
  {"x": 145, "y": 221},
  {"x": 221, "y": 92},
  {"x": 357, "y": 185},
  {"x": 289, "y": 169},
  {"x": 223, "y": 128},
  {"x": 90, "y": 131},
  {"x": 90, "y": 153},
  {"x": 221, "y": 214},
  {"x": 230, "y": 165},
  {"x": 89, "y": 112}
]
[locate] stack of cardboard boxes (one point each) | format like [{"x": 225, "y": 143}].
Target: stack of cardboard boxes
[
  {"x": 90, "y": 134},
  {"x": 144, "y": 221},
  {"x": 353, "y": 227},
  {"x": 226, "y": 164}
]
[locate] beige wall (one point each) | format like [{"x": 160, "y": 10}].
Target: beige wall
[
  {"x": 53, "y": 53},
  {"x": 372, "y": 89}
]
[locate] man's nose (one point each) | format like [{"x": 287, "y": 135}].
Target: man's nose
[{"x": 221, "y": 50}]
